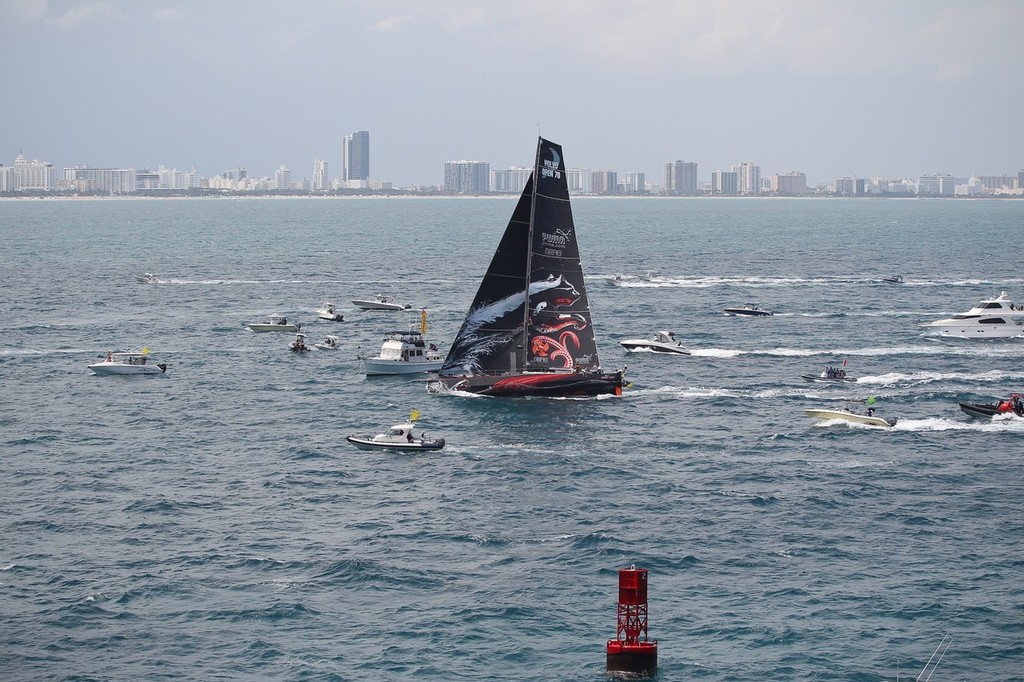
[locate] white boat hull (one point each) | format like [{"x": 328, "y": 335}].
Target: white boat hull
[
  {"x": 978, "y": 331},
  {"x": 376, "y": 366},
  {"x": 377, "y": 305},
  {"x": 843, "y": 415},
  {"x": 642, "y": 344},
  {"x": 365, "y": 443},
  {"x": 257, "y": 327},
  {"x": 110, "y": 368}
]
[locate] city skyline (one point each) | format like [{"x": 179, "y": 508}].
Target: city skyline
[{"x": 870, "y": 89}]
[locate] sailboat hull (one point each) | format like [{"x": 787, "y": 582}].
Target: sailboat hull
[{"x": 541, "y": 384}]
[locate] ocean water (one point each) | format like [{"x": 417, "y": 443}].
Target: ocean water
[{"x": 213, "y": 523}]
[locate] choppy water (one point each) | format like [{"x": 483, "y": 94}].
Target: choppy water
[{"x": 212, "y": 523}]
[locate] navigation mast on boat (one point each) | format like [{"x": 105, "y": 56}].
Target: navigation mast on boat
[{"x": 529, "y": 330}]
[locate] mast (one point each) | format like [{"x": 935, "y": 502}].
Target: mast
[{"x": 524, "y": 358}]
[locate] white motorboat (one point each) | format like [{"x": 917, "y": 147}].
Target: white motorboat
[
  {"x": 893, "y": 279},
  {"x": 128, "y": 362},
  {"x": 275, "y": 324},
  {"x": 299, "y": 344},
  {"x": 662, "y": 342},
  {"x": 748, "y": 310},
  {"x": 830, "y": 375},
  {"x": 617, "y": 280},
  {"x": 848, "y": 415},
  {"x": 328, "y": 312},
  {"x": 146, "y": 278},
  {"x": 398, "y": 437},
  {"x": 329, "y": 343},
  {"x": 404, "y": 353},
  {"x": 381, "y": 302},
  {"x": 991, "y": 318}
]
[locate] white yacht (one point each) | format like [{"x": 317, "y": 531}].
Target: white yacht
[
  {"x": 381, "y": 302},
  {"x": 128, "y": 362},
  {"x": 662, "y": 342},
  {"x": 991, "y": 318},
  {"x": 404, "y": 353},
  {"x": 275, "y": 324}
]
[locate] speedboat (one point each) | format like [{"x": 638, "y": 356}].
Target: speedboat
[
  {"x": 128, "y": 362},
  {"x": 404, "y": 353},
  {"x": 329, "y": 343},
  {"x": 991, "y": 318},
  {"x": 1012, "y": 405},
  {"x": 146, "y": 278},
  {"x": 398, "y": 437},
  {"x": 381, "y": 302},
  {"x": 894, "y": 279},
  {"x": 830, "y": 375},
  {"x": 662, "y": 342},
  {"x": 328, "y": 312},
  {"x": 848, "y": 415},
  {"x": 275, "y": 324},
  {"x": 617, "y": 280},
  {"x": 299, "y": 344},
  {"x": 749, "y": 310}
]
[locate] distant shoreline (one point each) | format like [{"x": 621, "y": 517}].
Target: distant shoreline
[{"x": 403, "y": 196}]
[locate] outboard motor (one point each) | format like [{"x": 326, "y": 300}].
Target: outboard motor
[{"x": 162, "y": 366}]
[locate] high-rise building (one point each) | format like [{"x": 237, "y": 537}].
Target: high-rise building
[
  {"x": 748, "y": 177},
  {"x": 579, "y": 180},
  {"x": 283, "y": 178},
  {"x": 321, "y": 181},
  {"x": 356, "y": 160},
  {"x": 634, "y": 182},
  {"x": 510, "y": 180},
  {"x": 604, "y": 182},
  {"x": 467, "y": 177},
  {"x": 8, "y": 179},
  {"x": 681, "y": 177},
  {"x": 35, "y": 175},
  {"x": 109, "y": 180},
  {"x": 791, "y": 184},
  {"x": 724, "y": 182}
]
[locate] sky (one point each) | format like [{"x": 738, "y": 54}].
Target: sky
[{"x": 828, "y": 88}]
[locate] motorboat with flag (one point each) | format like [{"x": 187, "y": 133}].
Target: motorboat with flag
[
  {"x": 380, "y": 302},
  {"x": 128, "y": 362},
  {"x": 662, "y": 342},
  {"x": 276, "y": 323},
  {"x": 849, "y": 414},
  {"x": 991, "y": 318},
  {"x": 748, "y": 310},
  {"x": 1013, "y": 405},
  {"x": 328, "y": 312},
  {"x": 405, "y": 352},
  {"x": 400, "y": 437},
  {"x": 529, "y": 331}
]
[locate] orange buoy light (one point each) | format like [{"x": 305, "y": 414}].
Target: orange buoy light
[{"x": 631, "y": 651}]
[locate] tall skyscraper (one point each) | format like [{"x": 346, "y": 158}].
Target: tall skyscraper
[
  {"x": 749, "y": 177},
  {"x": 356, "y": 158},
  {"x": 467, "y": 177},
  {"x": 320, "y": 180},
  {"x": 681, "y": 177}
]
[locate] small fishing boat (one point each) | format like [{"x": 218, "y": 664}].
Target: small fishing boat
[
  {"x": 662, "y": 342},
  {"x": 848, "y": 415},
  {"x": 328, "y": 312},
  {"x": 128, "y": 362},
  {"x": 146, "y": 278},
  {"x": 748, "y": 310},
  {"x": 894, "y": 279},
  {"x": 276, "y": 323},
  {"x": 1012, "y": 405},
  {"x": 830, "y": 375},
  {"x": 299, "y": 344},
  {"x": 398, "y": 437},
  {"x": 380, "y": 302},
  {"x": 329, "y": 343}
]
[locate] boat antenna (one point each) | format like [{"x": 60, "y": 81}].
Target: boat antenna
[{"x": 940, "y": 650}]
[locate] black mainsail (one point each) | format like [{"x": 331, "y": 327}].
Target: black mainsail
[{"x": 529, "y": 329}]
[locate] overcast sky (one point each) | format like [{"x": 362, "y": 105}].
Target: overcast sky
[{"x": 895, "y": 88}]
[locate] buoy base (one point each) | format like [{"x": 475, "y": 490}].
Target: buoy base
[{"x": 641, "y": 657}]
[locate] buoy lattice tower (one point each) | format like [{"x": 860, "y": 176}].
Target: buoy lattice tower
[{"x": 631, "y": 650}]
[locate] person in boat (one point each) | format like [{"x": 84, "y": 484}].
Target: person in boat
[
  {"x": 408, "y": 436},
  {"x": 110, "y": 358}
]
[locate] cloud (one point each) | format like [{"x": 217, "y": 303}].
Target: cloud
[
  {"x": 392, "y": 23},
  {"x": 86, "y": 13}
]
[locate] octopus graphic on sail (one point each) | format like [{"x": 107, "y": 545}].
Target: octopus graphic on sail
[{"x": 529, "y": 329}]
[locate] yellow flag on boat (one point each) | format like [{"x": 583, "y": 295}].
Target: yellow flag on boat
[
  {"x": 423, "y": 321},
  {"x": 145, "y": 350},
  {"x": 414, "y": 415}
]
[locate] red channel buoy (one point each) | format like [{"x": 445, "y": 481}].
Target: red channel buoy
[{"x": 631, "y": 651}]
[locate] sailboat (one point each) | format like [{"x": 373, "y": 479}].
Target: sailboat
[{"x": 529, "y": 330}]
